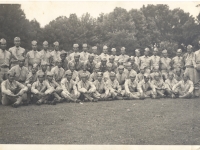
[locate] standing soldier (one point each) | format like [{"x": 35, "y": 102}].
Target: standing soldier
[
  {"x": 46, "y": 55},
  {"x": 33, "y": 56},
  {"x": 21, "y": 72},
  {"x": 84, "y": 54},
  {"x": 97, "y": 59},
  {"x": 155, "y": 59},
  {"x": 55, "y": 53},
  {"x": 177, "y": 61},
  {"x": 76, "y": 49},
  {"x": 58, "y": 71},
  {"x": 16, "y": 52},
  {"x": 70, "y": 92},
  {"x": 123, "y": 57},
  {"x": 165, "y": 64},
  {"x": 64, "y": 61},
  {"x": 90, "y": 64},
  {"x": 13, "y": 92},
  {"x": 5, "y": 58},
  {"x": 105, "y": 53},
  {"x": 145, "y": 61},
  {"x": 113, "y": 52},
  {"x": 137, "y": 56},
  {"x": 86, "y": 88}
]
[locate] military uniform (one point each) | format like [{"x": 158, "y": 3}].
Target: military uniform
[
  {"x": 58, "y": 73},
  {"x": 16, "y": 52},
  {"x": 84, "y": 55},
  {"x": 145, "y": 62},
  {"x": 159, "y": 85},
  {"x": 165, "y": 65}
]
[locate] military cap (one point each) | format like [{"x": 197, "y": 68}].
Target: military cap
[
  {"x": 146, "y": 75},
  {"x": 164, "y": 51},
  {"x": 156, "y": 67},
  {"x": 17, "y": 39},
  {"x": 91, "y": 56},
  {"x": 43, "y": 63},
  {"x": 104, "y": 59},
  {"x": 112, "y": 74},
  {"x": 179, "y": 50},
  {"x": 97, "y": 66},
  {"x": 100, "y": 74},
  {"x": 21, "y": 58},
  {"x": 76, "y": 55},
  {"x": 132, "y": 57},
  {"x": 56, "y": 43},
  {"x": 85, "y": 45},
  {"x": 132, "y": 74},
  {"x": 45, "y": 43},
  {"x": 71, "y": 64},
  {"x": 137, "y": 51},
  {"x": 94, "y": 48},
  {"x": 186, "y": 74},
  {"x": 40, "y": 74},
  {"x": 123, "y": 49},
  {"x": 121, "y": 67},
  {"x": 105, "y": 47},
  {"x": 146, "y": 49},
  {"x": 11, "y": 73},
  {"x": 109, "y": 65},
  {"x": 34, "y": 42},
  {"x": 49, "y": 73},
  {"x": 113, "y": 50},
  {"x": 63, "y": 52},
  {"x": 128, "y": 64},
  {"x": 75, "y": 45},
  {"x": 3, "y": 41},
  {"x": 189, "y": 46},
  {"x": 155, "y": 49},
  {"x": 68, "y": 72},
  {"x": 84, "y": 75},
  {"x": 58, "y": 60},
  {"x": 35, "y": 66},
  {"x": 156, "y": 74},
  {"x": 111, "y": 57}
]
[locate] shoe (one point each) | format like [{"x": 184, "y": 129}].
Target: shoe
[{"x": 15, "y": 105}]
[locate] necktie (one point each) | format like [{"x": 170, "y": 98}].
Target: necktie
[{"x": 20, "y": 72}]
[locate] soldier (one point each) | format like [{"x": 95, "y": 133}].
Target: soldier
[
  {"x": 16, "y": 52},
  {"x": 84, "y": 70},
  {"x": 41, "y": 90},
  {"x": 190, "y": 65},
  {"x": 105, "y": 53},
  {"x": 177, "y": 61},
  {"x": 93, "y": 76},
  {"x": 169, "y": 83},
  {"x": 77, "y": 63},
  {"x": 145, "y": 61},
  {"x": 55, "y": 53},
  {"x": 58, "y": 71},
  {"x": 140, "y": 76},
  {"x": 178, "y": 74},
  {"x": 13, "y": 92},
  {"x": 102, "y": 91},
  {"x": 5, "y": 57},
  {"x": 33, "y": 56},
  {"x": 90, "y": 64},
  {"x": 75, "y": 49},
  {"x": 155, "y": 70},
  {"x": 64, "y": 61},
  {"x": 43, "y": 69},
  {"x": 86, "y": 88},
  {"x": 159, "y": 85},
  {"x": 133, "y": 64},
  {"x": 197, "y": 61},
  {"x": 129, "y": 70},
  {"x": 46, "y": 55},
  {"x": 84, "y": 54},
  {"x": 113, "y": 53},
  {"x": 106, "y": 75},
  {"x": 137, "y": 57},
  {"x": 75, "y": 76},
  {"x": 123, "y": 57},
  {"x": 21, "y": 72},
  {"x": 114, "y": 64},
  {"x": 145, "y": 88},
  {"x": 155, "y": 59},
  {"x": 131, "y": 86},
  {"x": 97, "y": 58},
  {"x": 184, "y": 88},
  {"x": 103, "y": 66},
  {"x": 114, "y": 87},
  {"x": 55, "y": 94},
  {"x": 70, "y": 92},
  {"x": 165, "y": 64}
]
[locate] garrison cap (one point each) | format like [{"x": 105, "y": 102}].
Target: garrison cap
[
  {"x": 94, "y": 48},
  {"x": 40, "y": 74},
  {"x": 155, "y": 49},
  {"x": 189, "y": 46},
  {"x": 121, "y": 67},
  {"x": 103, "y": 59},
  {"x": 3, "y": 41},
  {"x": 58, "y": 60},
  {"x": 21, "y": 58},
  {"x": 179, "y": 50},
  {"x": 49, "y": 73},
  {"x": 113, "y": 50},
  {"x": 105, "y": 47},
  {"x": 68, "y": 72},
  {"x": 146, "y": 75},
  {"x": 17, "y": 39},
  {"x": 91, "y": 56},
  {"x": 111, "y": 57},
  {"x": 85, "y": 45},
  {"x": 75, "y": 45},
  {"x": 63, "y": 52},
  {"x": 34, "y": 42},
  {"x": 35, "y": 66},
  {"x": 84, "y": 75},
  {"x": 156, "y": 74},
  {"x": 132, "y": 57},
  {"x": 97, "y": 66},
  {"x": 164, "y": 51},
  {"x": 71, "y": 64},
  {"x": 146, "y": 49},
  {"x": 123, "y": 49},
  {"x": 43, "y": 63},
  {"x": 99, "y": 74},
  {"x": 112, "y": 74},
  {"x": 45, "y": 43},
  {"x": 132, "y": 74},
  {"x": 137, "y": 51},
  {"x": 56, "y": 43},
  {"x": 128, "y": 64}
]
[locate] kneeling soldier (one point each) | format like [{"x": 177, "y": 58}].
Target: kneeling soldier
[
  {"x": 102, "y": 91},
  {"x": 70, "y": 92},
  {"x": 169, "y": 83},
  {"x": 86, "y": 88},
  {"x": 13, "y": 92},
  {"x": 41, "y": 90}
]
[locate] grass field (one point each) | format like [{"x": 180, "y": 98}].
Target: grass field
[{"x": 163, "y": 121}]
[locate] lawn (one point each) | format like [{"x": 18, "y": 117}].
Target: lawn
[{"x": 138, "y": 122}]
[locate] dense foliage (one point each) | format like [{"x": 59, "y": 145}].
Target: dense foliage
[{"x": 149, "y": 26}]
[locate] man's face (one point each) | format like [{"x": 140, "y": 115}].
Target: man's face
[
  {"x": 56, "y": 47},
  {"x": 34, "y": 47},
  {"x": 85, "y": 49},
  {"x": 185, "y": 78},
  {"x": 76, "y": 59},
  {"x": 112, "y": 78},
  {"x": 95, "y": 51},
  {"x": 146, "y": 53},
  {"x": 63, "y": 57},
  {"x": 114, "y": 53},
  {"x": 34, "y": 70},
  {"x": 59, "y": 64},
  {"x": 3, "y": 46},
  {"x": 45, "y": 47},
  {"x": 178, "y": 72},
  {"x": 132, "y": 61},
  {"x": 99, "y": 78},
  {"x": 146, "y": 79},
  {"x": 44, "y": 67},
  {"x": 75, "y": 49},
  {"x": 90, "y": 59},
  {"x": 156, "y": 78},
  {"x": 72, "y": 68},
  {"x": 170, "y": 76},
  {"x": 97, "y": 69},
  {"x": 50, "y": 78},
  {"x": 111, "y": 60},
  {"x": 17, "y": 43},
  {"x": 21, "y": 63},
  {"x": 109, "y": 68},
  {"x": 165, "y": 55},
  {"x": 69, "y": 77},
  {"x": 41, "y": 78},
  {"x": 105, "y": 51},
  {"x": 129, "y": 68},
  {"x": 178, "y": 54},
  {"x": 103, "y": 62},
  {"x": 155, "y": 53},
  {"x": 189, "y": 50},
  {"x": 11, "y": 78},
  {"x": 133, "y": 78},
  {"x": 123, "y": 52},
  {"x": 121, "y": 70},
  {"x": 84, "y": 79},
  {"x": 137, "y": 54},
  {"x": 142, "y": 71}
]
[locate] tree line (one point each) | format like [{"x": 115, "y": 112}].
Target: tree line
[{"x": 150, "y": 26}]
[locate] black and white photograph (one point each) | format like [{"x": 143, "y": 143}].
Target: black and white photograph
[{"x": 100, "y": 73}]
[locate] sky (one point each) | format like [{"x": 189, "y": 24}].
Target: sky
[{"x": 46, "y": 11}]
